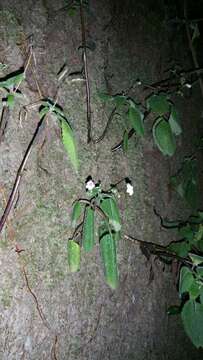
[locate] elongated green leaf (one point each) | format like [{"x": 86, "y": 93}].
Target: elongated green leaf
[
  {"x": 136, "y": 118},
  {"x": 109, "y": 259},
  {"x": 163, "y": 137},
  {"x": 76, "y": 212},
  {"x": 110, "y": 208},
  {"x": 69, "y": 142},
  {"x": 159, "y": 104},
  {"x": 192, "y": 317},
  {"x": 73, "y": 256},
  {"x": 88, "y": 233},
  {"x": 186, "y": 280},
  {"x": 174, "y": 122}
]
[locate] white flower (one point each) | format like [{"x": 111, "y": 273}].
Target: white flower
[
  {"x": 188, "y": 85},
  {"x": 90, "y": 185},
  {"x": 129, "y": 189}
]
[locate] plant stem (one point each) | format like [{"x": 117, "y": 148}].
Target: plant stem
[
  {"x": 119, "y": 146},
  {"x": 18, "y": 178},
  {"x": 107, "y": 125},
  {"x": 87, "y": 85},
  {"x": 157, "y": 249}
]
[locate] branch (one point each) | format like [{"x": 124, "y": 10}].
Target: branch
[
  {"x": 87, "y": 85},
  {"x": 157, "y": 249},
  {"x": 18, "y": 178}
]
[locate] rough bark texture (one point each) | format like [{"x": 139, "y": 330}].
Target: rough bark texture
[{"x": 92, "y": 322}]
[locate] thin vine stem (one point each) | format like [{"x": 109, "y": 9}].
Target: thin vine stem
[
  {"x": 19, "y": 175},
  {"x": 87, "y": 84}
]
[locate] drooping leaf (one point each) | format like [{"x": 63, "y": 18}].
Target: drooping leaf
[
  {"x": 110, "y": 208},
  {"x": 163, "y": 137},
  {"x": 109, "y": 259},
  {"x": 73, "y": 256},
  {"x": 186, "y": 280},
  {"x": 69, "y": 142},
  {"x": 159, "y": 104},
  {"x": 136, "y": 118},
  {"x": 192, "y": 317},
  {"x": 174, "y": 122},
  {"x": 88, "y": 233},
  {"x": 76, "y": 212}
]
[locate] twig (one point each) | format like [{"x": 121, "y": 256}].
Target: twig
[
  {"x": 107, "y": 125},
  {"x": 119, "y": 146},
  {"x": 18, "y": 178},
  {"x": 87, "y": 85},
  {"x": 157, "y": 249},
  {"x": 40, "y": 312},
  {"x": 53, "y": 350},
  {"x": 194, "y": 56}
]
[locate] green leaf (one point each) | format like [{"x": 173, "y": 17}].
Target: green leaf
[
  {"x": 186, "y": 280},
  {"x": 136, "y": 119},
  {"x": 88, "y": 234},
  {"x": 163, "y": 137},
  {"x": 69, "y": 142},
  {"x": 180, "y": 248},
  {"x": 110, "y": 208},
  {"x": 76, "y": 212},
  {"x": 125, "y": 141},
  {"x": 73, "y": 256},
  {"x": 159, "y": 104},
  {"x": 196, "y": 259},
  {"x": 192, "y": 317},
  {"x": 174, "y": 122},
  {"x": 109, "y": 259}
]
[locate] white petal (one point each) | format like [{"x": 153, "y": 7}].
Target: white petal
[
  {"x": 90, "y": 185},
  {"x": 129, "y": 189}
]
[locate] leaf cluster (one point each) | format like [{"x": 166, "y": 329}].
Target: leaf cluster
[{"x": 101, "y": 208}]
